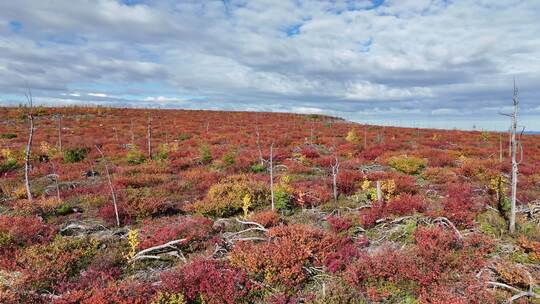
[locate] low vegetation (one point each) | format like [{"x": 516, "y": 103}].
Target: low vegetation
[{"x": 419, "y": 216}]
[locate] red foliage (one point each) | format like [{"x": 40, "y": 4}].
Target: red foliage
[
  {"x": 267, "y": 218},
  {"x": 107, "y": 213},
  {"x": 348, "y": 181},
  {"x": 195, "y": 230},
  {"x": 283, "y": 259},
  {"x": 339, "y": 224},
  {"x": 386, "y": 264},
  {"x": 21, "y": 230},
  {"x": 345, "y": 252},
  {"x": 211, "y": 280},
  {"x": 459, "y": 206},
  {"x": 309, "y": 152},
  {"x": 406, "y": 204}
]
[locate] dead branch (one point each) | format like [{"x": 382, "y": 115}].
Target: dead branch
[
  {"x": 154, "y": 253},
  {"x": 520, "y": 293}
]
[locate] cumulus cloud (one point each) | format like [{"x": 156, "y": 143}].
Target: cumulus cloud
[{"x": 432, "y": 62}]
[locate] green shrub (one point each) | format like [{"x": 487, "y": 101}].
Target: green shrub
[
  {"x": 9, "y": 165},
  {"x": 257, "y": 168},
  {"x": 205, "y": 154},
  {"x": 57, "y": 262},
  {"x": 281, "y": 199},
  {"x": 184, "y": 136},
  {"x": 64, "y": 209},
  {"x": 8, "y": 136},
  {"x": 229, "y": 159},
  {"x": 226, "y": 198},
  {"x": 135, "y": 156},
  {"x": 75, "y": 155},
  {"x": 407, "y": 164}
]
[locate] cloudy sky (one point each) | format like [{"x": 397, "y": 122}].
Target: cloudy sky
[{"x": 401, "y": 62}]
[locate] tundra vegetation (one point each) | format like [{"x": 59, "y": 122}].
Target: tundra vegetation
[{"x": 108, "y": 205}]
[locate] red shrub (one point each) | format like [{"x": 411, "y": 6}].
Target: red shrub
[
  {"x": 21, "y": 231},
  {"x": 107, "y": 213},
  {"x": 211, "y": 280},
  {"x": 369, "y": 216},
  {"x": 339, "y": 224},
  {"x": 282, "y": 260},
  {"x": 348, "y": 181},
  {"x": 195, "y": 230},
  {"x": 459, "y": 206},
  {"x": 384, "y": 265},
  {"x": 267, "y": 218},
  {"x": 406, "y": 204},
  {"x": 345, "y": 252},
  {"x": 309, "y": 152}
]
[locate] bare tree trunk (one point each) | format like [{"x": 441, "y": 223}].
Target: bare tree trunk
[
  {"x": 56, "y": 176},
  {"x": 116, "y": 135},
  {"x": 272, "y": 175},
  {"x": 365, "y": 137},
  {"x": 379, "y": 191},
  {"x": 149, "y": 137},
  {"x": 500, "y": 148},
  {"x": 515, "y": 101},
  {"x": 132, "y": 134},
  {"x": 335, "y": 171},
  {"x": 28, "y": 147},
  {"x": 109, "y": 180},
  {"x": 261, "y": 159},
  {"x": 60, "y": 133}
]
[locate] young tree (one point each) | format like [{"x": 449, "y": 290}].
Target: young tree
[{"x": 28, "y": 145}]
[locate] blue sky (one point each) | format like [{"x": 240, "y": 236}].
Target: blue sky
[{"x": 427, "y": 63}]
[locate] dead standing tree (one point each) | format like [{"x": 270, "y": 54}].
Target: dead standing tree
[
  {"x": 109, "y": 180},
  {"x": 335, "y": 172},
  {"x": 515, "y": 143},
  {"x": 30, "y": 116},
  {"x": 271, "y": 169},
  {"x": 59, "y": 121},
  {"x": 149, "y": 136}
]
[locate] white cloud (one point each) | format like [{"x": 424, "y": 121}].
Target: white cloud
[{"x": 434, "y": 56}]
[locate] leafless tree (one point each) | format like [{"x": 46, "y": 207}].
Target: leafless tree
[
  {"x": 30, "y": 116},
  {"x": 132, "y": 133},
  {"x": 109, "y": 180},
  {"x": 59, "y": 121},
  {"x": 56, "y": 177},
  {"x": 149, "y": 136},
  {"x": 258, "y": 140},
  {"x": 515, "y": 143},
  {"x": 271, "y": 168},
  {"x": 379, "y": 191},
  {"x": 335, "y": 172}
]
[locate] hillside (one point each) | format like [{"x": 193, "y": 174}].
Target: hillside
[{"x": 420, "y": 215}]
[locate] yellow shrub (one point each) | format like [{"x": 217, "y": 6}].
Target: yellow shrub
[
  {"x": 407, "y": 164},
  {"x": 352, "y": 137},
  {"x": 227, "y": 197}
]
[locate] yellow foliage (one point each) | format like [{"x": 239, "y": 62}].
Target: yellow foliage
[
  {"x": 169, "y": 298},
  {"x": 352, "y": 137},
  {"x": 47, "y": 149},
  {"x": 407, "y": 164},
  {"x": 246, "y": 204},
  {"x": 49, "y": 204},
  {"x": 133, "y": 241},
  {"x": 388, "y": 189}
]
